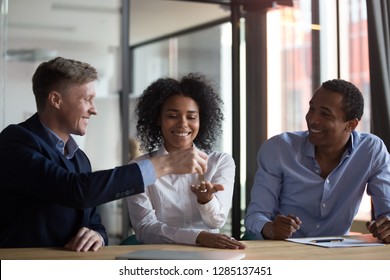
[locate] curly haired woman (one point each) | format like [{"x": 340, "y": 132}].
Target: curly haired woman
[{"x": 186, "y": 209}]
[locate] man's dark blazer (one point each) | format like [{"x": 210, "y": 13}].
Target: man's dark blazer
[{"x": 46, "y": 198}]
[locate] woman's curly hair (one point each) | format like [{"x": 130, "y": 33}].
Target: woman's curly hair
[{"x": 194, "y": 86}]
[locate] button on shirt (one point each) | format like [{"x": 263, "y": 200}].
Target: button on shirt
[
  {"x": 288, "y": 182},
  {"x": 168, "y": 211}
]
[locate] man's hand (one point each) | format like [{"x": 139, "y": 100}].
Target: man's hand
[
  {"x": 85, "y": 240},
  {"x": 185, "y": 161},
  {"x": 380, "y": 228},
  {"x": 204, "y": 192},
  {"x": 216, "y": 240},
  {"x": 282, "y": 227}
]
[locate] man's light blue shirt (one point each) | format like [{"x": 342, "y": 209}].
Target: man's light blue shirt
[
  {"x": 288, "y": 182},
  {"x": 148, "y": 173}
]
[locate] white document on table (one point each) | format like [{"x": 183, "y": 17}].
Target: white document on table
[{"x": 362, "y": 240}]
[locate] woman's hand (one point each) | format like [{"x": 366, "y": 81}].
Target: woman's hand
[
  {"x": 205, "y": 190},
  {"x": 216, "y": 240}
]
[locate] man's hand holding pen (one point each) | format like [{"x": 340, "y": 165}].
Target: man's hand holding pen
[
  {"x": 380, "y": 228},
  {"x": 281, "y": 227}
]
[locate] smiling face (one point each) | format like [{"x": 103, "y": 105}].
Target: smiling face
[
  {"x": 74, "y": 108},
  {"x": 179, "y": 121},
  {"x": 326, "y": 120}
]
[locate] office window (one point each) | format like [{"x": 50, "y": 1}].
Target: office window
[
  {"x": 354, "y": 65},
  {"x": 292, "y": 60},
  {"x": 354, "y": 60},
  {"x": 289, "y": 68}
]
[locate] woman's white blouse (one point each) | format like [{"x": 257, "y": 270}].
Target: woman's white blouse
[{"x": 168, "y": 211}]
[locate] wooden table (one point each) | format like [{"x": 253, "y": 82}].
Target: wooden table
[{"x": 256, "y": 250}]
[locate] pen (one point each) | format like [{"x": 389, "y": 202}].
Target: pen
[{"x": 328, "y": 240}]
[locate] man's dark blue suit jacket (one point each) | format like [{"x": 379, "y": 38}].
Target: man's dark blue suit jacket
[{"x": 46, "y": 198}]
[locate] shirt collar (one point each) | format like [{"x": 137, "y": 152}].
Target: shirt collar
[
  {"x": 309, "y": 150},
  {"x": 60, "y": 145}
]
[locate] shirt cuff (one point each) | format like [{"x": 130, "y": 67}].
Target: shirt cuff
[
  {"x": 187, "y": 236},
  {"x": 147, "y": 171},
  {"x": 259, "y": 225},
  {"x": 209, "y": 206}
]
